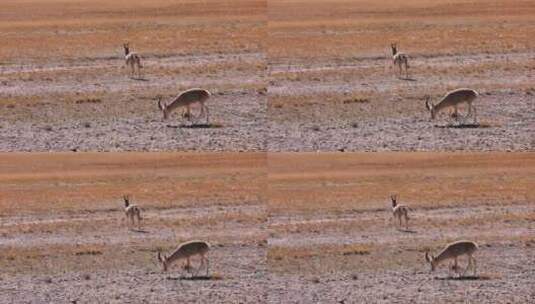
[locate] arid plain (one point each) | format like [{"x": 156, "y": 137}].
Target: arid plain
[
  {"x": 333, "y": 85},
  {"x": 64, "y": 85},
  {"x": 64, "y": 238},
  {"x": 296, "y": 228},
  {"x": 285, "y": 76},
  {"x": 333, "y": 240}
]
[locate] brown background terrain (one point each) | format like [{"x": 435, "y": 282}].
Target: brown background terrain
[
  {"x": 333, "y": 85},
  {"x": 293, "y": 227},
  {"x": 332, "y": 238},
  {"x": 286, "y": 75},
  {"x": 63, "y": 236},
  {"x": 326, "y": 71},
  {"x": 63, "y": 84}
]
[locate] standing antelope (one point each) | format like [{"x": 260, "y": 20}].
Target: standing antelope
[
  {"x": 400, "y": 211},
  {"x": 186, "y": 99},
  {"x": 131, "y": 212},
  {"x": 453, "y": 251},
  {"x": 454, "y": 99},
  {"x": 133, "y": 60},
  {"x": 185, "y": 251},
  {"x": 400, "y": 59}
]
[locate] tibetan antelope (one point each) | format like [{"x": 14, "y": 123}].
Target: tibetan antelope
[
  {"x": 132, "y": 212},
  {"x": 400, "y": 59},
  {"x": 185, "y": 251},
  {"x": 133, "y": 60},
  {"x": 186, "y": 99},
  {"x": 454, "y": 99},
  {"x": 400, "y": 211},
  {"x": 453, "y": 251}
]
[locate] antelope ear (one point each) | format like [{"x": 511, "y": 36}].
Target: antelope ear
[{"x": 159, "y": 257}]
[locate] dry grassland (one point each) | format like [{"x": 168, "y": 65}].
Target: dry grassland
[
  {"x": 333, "y": 239},
  {"x": 324, "y": 54},
  {"x": 63, "y": 80},
  {"x": 63, "y": 236}
]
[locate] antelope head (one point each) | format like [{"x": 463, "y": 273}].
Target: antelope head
[
  {"x": 393, "y": 197},
  {"x": 163, "y": 260},
  {"x": 394, "y": 48},
  {"x": 126, "y": 201},
  {"x": 431, "y": 260},
  {"x": 430, "y": 107},
  {"x": 126, "y": 48},
  {"x": 163, "y": 107}
]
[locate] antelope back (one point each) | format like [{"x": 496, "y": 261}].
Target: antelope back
[
  {"x": 456, "y": 97},
  {"x": 191, "y": 248},
  {"x": 192, "y": 95},
  {"x": 456, "y": 249}
]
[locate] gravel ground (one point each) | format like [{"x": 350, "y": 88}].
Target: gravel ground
[
  {"x": 359, "y": 105},
  {"x": 93, "y": 106},
  {"x": 237, "y": 259},
  {"x": 505, "y": 259}
]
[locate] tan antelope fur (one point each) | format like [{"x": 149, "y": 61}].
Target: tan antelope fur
[
  {"x": 400, "y": 59},
  {"x": 400, "y": 211},
  {"x": 132, "y": 60},
  {"x": 132, "y": 212},
  {"x": 452, "y": 252},
  {"x": 454, "y": 99},
  {"x": 186, "y": 99},
  {"x": 185, "y": 251}
]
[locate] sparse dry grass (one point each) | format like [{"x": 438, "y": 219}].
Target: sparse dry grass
[
  {"x": 336, "y": 29},
  {"x": 284, "y": 253},
  {"x": 322, "y": 201},
  {"x": 84, "y": 29},
  {"x": 91, "y": 182},
  {"x": 317, "y": 183},
  {"x": 62, "y": 213},
  {"x": 314, "y": 259}
]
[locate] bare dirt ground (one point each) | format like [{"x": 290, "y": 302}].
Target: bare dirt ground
[
  {"x": 332, "y": 85},
  {"x": 332, "y": 239},
  {"x": 63, "y": 84},
  {"x": 63, "y": 238},
  {"x": 305, "y": 228}
]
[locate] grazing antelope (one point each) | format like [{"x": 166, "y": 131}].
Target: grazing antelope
[
  {"x": 400, "y": 59},
  {"x": 454, "y": 99},
  {"x": 400, "y": 211},
  {"x": 453, "y": 251},
  {"x": 185, "y": 251},
  {"x": 133, "y": 60},
  {"x": 131, "y": 212},
  {"x": 186, "y": 99}
]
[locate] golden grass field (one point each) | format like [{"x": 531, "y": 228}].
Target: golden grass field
[
  {"x": 342, "y": 29},
  {"x": 48, "y": 30}
]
